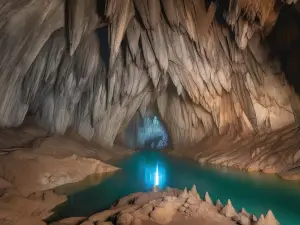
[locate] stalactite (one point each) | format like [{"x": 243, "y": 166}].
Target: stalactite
[{"x": 206, "y": 77}]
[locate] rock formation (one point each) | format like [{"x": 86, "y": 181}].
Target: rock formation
[
  {"x": 167, "y": 207},
  {"x": 273, "y": 152},
  {"x": 90, "y": 67},
  {"x": 33, "y": 163},
  {"x": 221, "y": 75}
]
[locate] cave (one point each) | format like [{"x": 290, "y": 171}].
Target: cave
[
  {"x": 136, "y": 112},
  {"x": 145, "y": 132}
]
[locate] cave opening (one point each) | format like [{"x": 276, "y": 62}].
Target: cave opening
[
  {"x": 146, "y": 132},
  {"x": 284, "y": 42}
]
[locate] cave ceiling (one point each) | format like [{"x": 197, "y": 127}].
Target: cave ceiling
[{"x": 206, "y": 66}]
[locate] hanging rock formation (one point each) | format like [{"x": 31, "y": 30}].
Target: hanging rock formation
[{"x": 209, "y": 68}]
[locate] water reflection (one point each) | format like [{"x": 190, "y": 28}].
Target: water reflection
[
  {"x": 90, "y": 181},
  {"x": 256, "y": 192},
  {"x": 155, "y": 175}
]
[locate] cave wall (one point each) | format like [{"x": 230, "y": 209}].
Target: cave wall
[{"x": 205, "y": 64}]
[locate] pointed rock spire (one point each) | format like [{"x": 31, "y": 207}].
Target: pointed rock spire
[
  {"x": 229, "y": 211},
  {"x": 270, "y": 218},
  {"x": 253, "y": 218},
  {"x": 261, "y": 221},
  {"x": 184, "y": 194},
  {"x": 208, "y": 199},
  {"x": 219, "y": 205},
  {"x": 243, "y": 211},
  {"x": 194, "y": 192},
  {"x": 244, "y": 217}
]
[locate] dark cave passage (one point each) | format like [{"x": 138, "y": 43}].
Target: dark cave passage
[
  {"x": 146, "y": 132},
  {"x": 284, "y": 42}
]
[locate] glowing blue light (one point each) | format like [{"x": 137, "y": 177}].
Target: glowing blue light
[{"x": 156, "y": 176}]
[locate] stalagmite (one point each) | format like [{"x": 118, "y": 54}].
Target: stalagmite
[
  {"x": 261, "y": 221},
  {"x": 219, "y": 205},
  {"x": 244, "y": 217},
  {"x": 208, "y": 199},
  {"x": 270, "y": 218},
  {"x": 183, "y": 194},
  {"x": 194, "y": 192},
  {"x": 220, "y": 75},
  {"x": 229, "y": 211}
]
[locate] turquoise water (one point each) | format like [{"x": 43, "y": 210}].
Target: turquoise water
[{"x": 254, "y": 191}]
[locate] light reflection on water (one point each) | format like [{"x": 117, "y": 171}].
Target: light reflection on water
[
  {"x": 254, "y": 191},
  {"x": 155, "y": 175}
]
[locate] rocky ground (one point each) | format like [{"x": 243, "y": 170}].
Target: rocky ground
[
  {"x": 274, "y": 152},
  {"x": 171, "y": 206},
  {"x": 32, "y": 163}
]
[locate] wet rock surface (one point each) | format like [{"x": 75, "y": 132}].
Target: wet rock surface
[
  {"x": 174, "y": 207},
  {"x": 32, "y": 163},
  {"x": 275, "y": 152}
]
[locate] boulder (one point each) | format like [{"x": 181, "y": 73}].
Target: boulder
[
  {"x": 163, "y": 215},
  {"x": 125, "y": 219}
]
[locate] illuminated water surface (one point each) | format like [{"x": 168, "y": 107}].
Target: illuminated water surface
[{"x": 140, "y": 172}]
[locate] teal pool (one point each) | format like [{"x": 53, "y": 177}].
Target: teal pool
[{"x": 254, "y": 191}]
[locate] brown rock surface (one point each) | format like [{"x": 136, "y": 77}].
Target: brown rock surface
[
  {"x": 18, "y": 210},
  {"x": 32, "y": 163},
  {"x": 275, "y": 152},
  {"x": 202, "y": 77},
  {"x": 31, "y": 172},
  {"x": 169, "y": 209}
]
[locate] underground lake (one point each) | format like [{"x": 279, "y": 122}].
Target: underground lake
[{"x": 256, "y": 192}]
